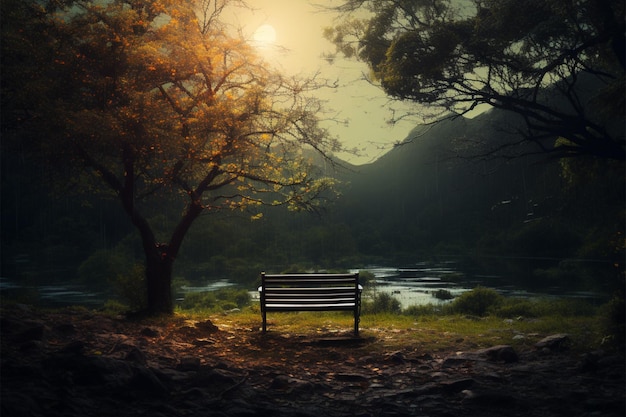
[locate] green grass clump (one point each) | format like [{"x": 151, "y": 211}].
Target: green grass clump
[
  {"x": 220, "y": 300},
  {"x": 477, "y": 302},
  {"x": 381, "y": 302}
]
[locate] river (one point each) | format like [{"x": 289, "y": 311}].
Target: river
[{"x": 412, "y": 285}]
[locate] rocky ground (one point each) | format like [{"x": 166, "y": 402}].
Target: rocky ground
[{"x": 80, "y": 363}]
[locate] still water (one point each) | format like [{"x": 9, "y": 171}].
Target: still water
[{"x": 413, "y": 285}]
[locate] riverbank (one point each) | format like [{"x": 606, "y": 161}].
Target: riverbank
[{"x": 76, "y": 362}]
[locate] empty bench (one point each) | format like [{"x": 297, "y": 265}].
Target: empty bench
[{"x": 310, "y": 292}]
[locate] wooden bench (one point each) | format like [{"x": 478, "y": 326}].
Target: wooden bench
[{"x": 311, "y": 292}]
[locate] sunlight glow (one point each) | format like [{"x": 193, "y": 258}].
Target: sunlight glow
[{"x": 264, "y": 36}]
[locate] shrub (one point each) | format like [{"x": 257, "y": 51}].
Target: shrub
[
  {"x": 613, "y": 316},
  {"x": 114, "y": 307},
  {"x": 131, "y": 288},
  {"x": 102, "y": 265},
  {"x": 423, "y": 310},
  {"x": 222, "y": 299},
  {"x": 204, "y": 300},
  {"x": 442, "y": 294},
  {"x": 477, "y": 302},
  {"x": 515, "y": 307},
  {"x": 382, "y": 302},
  {"x": 567, "y": 307},
  {"x": 366, "y": 278}
]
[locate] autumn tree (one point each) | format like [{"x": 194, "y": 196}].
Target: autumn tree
[
  {"x": 155, "y": 99},
  {"x": 457, "y": 55}
]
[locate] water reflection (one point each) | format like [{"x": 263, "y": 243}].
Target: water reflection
[
  {"x": 416, "y": 285},
  {"x": 412, "y": 285}
]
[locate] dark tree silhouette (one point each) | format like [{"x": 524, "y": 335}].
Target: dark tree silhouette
[{"x": 457, "y": 55}]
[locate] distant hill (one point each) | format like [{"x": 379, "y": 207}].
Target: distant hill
[{"x": 445, "y": 183}]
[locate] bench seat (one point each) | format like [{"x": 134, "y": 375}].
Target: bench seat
[{"x": 310, "y": 292}]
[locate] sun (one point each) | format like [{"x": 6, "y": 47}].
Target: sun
[{"x": 265, "y": 35}]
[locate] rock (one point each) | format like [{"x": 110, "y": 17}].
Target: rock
[
  {"x": 136, "y": 355},
  {"x": 457, "y": 385},
  {"x": 207, "y": 326},
  {"x": 555, "y": 342},
  {"x": 145, "y": 380},
  {"x": 287, "y": 383},
  {"x": 189, "y": 363},
  {"x": 203, "y": 341},
  {"x": 489, "y": 398},
  {"x": 76, "y": 347},
  {"x": 345, "y": 377},
  {"x": 396, "y": 357},
  {"x": 150, "y": 332},
  {"x": 499, "y": 353}
]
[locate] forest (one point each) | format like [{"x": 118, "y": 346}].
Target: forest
[{"x": 108, "y": 162}]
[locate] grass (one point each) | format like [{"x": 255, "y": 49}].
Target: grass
[{"x": 432, "y": 333}]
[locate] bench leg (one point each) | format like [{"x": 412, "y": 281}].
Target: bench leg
[{"x": 264, "y": 317}]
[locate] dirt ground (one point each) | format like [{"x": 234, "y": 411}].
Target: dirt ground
[{"x": 76, "y": 362}]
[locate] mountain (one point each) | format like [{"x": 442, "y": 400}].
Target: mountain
[{"x": 445, "y": 184}]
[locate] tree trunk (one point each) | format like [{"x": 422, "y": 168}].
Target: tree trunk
[
  {"x": 159, "y": 282},
  {"x": 160, "y": 259}
]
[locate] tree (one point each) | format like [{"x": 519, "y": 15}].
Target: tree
[
  {"x": 149, "y": 100},
  {"x": 457, "y": 55}
]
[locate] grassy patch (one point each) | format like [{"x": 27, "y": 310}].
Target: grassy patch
[
  {"x": 429, "y": 333},
  {"x": 480, "y": 318}
]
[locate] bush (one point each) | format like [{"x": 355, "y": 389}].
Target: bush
[
  {"x": 102, "y": 265},
  {"x": 442, "y": 294},
  {"x": 613, "y": 316},
  {"x": 515, "y": 307},
  {"x": 568, "y": 307},
  {"x": 366, "y": 279},
  {"x": 382, "y": 302},
  {"x": 477, "y": 302},
  {"x": 131, "y": 288},
  {"x": 423, "y": 310},
  {"x": 220, "y": 300},
  {"x": 114, "y": 307}
]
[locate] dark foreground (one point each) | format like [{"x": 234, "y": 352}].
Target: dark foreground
[{"x": 77, "y": 363}]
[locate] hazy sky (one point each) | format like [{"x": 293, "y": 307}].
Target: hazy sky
[{"x": 365, "y": 108}]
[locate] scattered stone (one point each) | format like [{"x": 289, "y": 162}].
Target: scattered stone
[
  {"x": 136, "y": 355},
  {"x": 500, "y": 353},
  {"x": 555, "y": 342},
  {"x": 396, "y": 357},
  {"x": 207, "y": 326},
  {"x": 351, "y": 377},
  {"x": 489, "y": 398},
  {"x": 457, "y": 385},
  {"x": 189, "y": 363},
  {"x": 150, "y": 332},
  {"x": 284, "y": 383}
]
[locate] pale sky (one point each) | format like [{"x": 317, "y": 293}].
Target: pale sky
[{"x": 364, "y": 108}]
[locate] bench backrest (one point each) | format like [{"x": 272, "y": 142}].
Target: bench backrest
[{"x": 285, "y": 292}]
